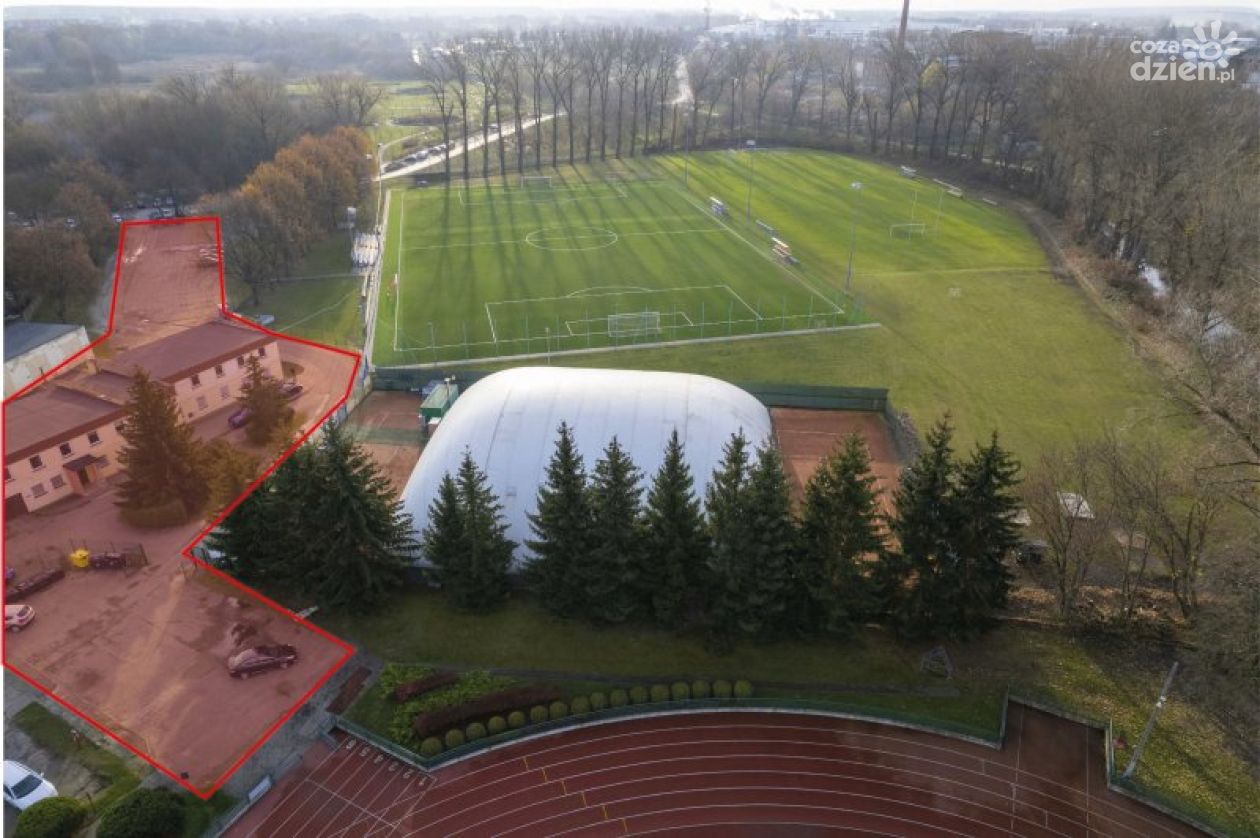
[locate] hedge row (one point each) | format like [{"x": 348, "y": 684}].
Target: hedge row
[
  {"x": 544, "y": 711},
  {"x": 429, "y": 683},
  {"x": 502, "y": 701}
]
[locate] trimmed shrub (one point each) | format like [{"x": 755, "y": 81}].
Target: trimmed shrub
[
  {"x": 618, "y": 698},
  {"x": 455, "y": 738},
  {"x": 431, "y": 747},
  {"x": 476, "y": 731},
  {"x": 538, "y": 714},
  {"x": 743, "y": 689},
  {"x": 721, "y": 688},
  {"x": 700, "y": 689},
  {"x": 679, "y": 691},
  {"x": 169, "y": 514},
  {"x": 659, "y": 693},
  {"x": 497, "y": 725},
  {"x": 516, "y": 720},
  {"x": 581, "y": 705},
  {"x": 558, "y": 710},
  {"x": 52, "y": 817},
  {"x": 501, "y": 701},
  {"x": 638, "y": 694},
  {"x": 429, "y": 683},
  {"x": 599, "y": 701},
  {"x": 145, "y": 813}
]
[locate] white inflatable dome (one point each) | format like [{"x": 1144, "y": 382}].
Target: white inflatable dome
[{"x": 509, "y": 421}]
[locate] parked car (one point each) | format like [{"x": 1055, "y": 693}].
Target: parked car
[
  {"x": 261, "y": 658},
  {"x": 290, "y": 390},
  {"x": 16, "y": 617},
  {"x": 239, "y": 418},
  {"x": 23, "y": 786},
  {"x": 155, "y": 214},
  {"x": 37, "y": 582},
  {"x": 116, "y": 218},
  {"x": 1031, "y": 552},
  {"x": 168, "y": 213}
]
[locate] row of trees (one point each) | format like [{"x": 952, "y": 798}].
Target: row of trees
[
  {"x": 746, "y": 565},
  {"x": 327, "y": 525},
  {"x": 289, "y": 203}
]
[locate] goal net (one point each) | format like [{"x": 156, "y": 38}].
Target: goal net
[
  {"x": 905, "y": 231},
  {"x": 537, "y": 183},
  {"x": 634, "y": 323}
]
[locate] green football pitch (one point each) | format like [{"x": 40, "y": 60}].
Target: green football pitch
[{"x": 612, "y": 257}]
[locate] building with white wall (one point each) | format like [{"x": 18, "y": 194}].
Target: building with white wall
[{"x": 32, "y": 350}]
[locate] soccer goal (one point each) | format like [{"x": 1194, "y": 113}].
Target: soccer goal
[
  {"x": 539, "y": 183},
  {"x": 905, "y": 231},
  {"x": 635, "y": 323}
]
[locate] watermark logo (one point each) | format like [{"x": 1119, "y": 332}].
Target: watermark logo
[{"x": 1205, "y": 57}]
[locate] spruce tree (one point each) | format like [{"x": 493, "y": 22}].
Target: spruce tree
[
  {"x": 730, "y": 530},
  {"x": 923, "y": 525},
  {"x": 977, "y": 584},
  {"x": 609, "y": 571},
  {"x": 840, "y": 528},
  {"x": 561, "y": 525},
  {"x": 161, "y": 456},
  {"x": 260, "y": 394},
  {"x": 231, "y": 471},
  {"x": 769, "y": 557},
  {"x": 676, "y": 547},
  {"x": 486, "y": 551},
  {"x": 359, "y": 541},
  {"x": 443, "y": 535}
]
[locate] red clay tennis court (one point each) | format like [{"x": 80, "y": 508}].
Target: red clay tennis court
[{"x": 722, "y": 773}]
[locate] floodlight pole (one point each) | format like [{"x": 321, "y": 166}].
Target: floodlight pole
[
  {"x": 687, "y": 159},
  {"x": 848, "y": 277},
  {"x": 1150, "y": 722},
  {"x": 752, "y": 155}
]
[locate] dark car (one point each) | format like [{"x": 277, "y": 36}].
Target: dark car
[
  {"x": 23, "y": 589},
  {"x": 1031, "y": 552},
  {"x": 240, "y": 418},
  {"x": 290, "y": 390},
  {"x": 259, "y": 659}
]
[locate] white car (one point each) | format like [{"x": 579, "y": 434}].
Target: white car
[
  {"x": 17, "y": 616},
  {"x": 24, "y": 787}
]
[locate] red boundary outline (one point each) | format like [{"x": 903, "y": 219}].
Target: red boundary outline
[{"x": 186, "y": 552}]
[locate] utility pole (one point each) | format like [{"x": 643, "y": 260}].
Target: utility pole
[
  {"x": 848, "y": 278},
  {"x": 752, "y": 155},
  {"x": 905, "y": 18},
  {"x": 1150, "y": 722}
]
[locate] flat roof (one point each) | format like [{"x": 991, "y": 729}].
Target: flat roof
[
  {"x": 179, "y": 355},
  {"x": 20, "y": 338}
]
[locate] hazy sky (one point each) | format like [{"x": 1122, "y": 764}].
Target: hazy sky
[{"x": 1207, "y": 9}]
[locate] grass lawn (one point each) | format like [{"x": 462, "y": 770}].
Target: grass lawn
[
  {"x": 54, "y": 734},
  {"x": 1187, "y": 759}
]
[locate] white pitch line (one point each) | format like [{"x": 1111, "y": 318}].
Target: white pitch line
[
  {"x": 402, "y": 214},
  {"x": 494, "y": 336},
  {"x": 731, "y": 291}
]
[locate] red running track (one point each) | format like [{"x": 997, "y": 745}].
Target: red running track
[{"x": 722, "y": 773}]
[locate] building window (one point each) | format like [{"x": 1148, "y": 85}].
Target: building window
[
  {"x": 58, "y": 482},
  {"x": 7, "y": 476},
  {"x": 65, "y": 449},
  {"x": 119, "y": 427},
  {"x": 196, "y": 380},
  {"x": 240, "y": 361},
  {"x": 102, "y": 462},
  {"x": 218, "y": 371},
  {"x": 202, "y": 404},
  {"x": 262, "y": 352},
  {"x": 38, "y": 490},
  {"x": 224, "y": 394},
  {"x": 94, "y": 438},
  {"x": 37, "y": 462}
]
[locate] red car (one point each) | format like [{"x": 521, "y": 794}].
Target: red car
[{"x": 259, "y": 659}]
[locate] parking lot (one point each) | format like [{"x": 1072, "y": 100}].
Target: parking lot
[{"x": 141, "y": 652}]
